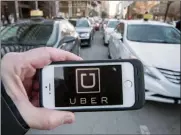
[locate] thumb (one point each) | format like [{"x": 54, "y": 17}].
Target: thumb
[{"x": 46, "y": 119}]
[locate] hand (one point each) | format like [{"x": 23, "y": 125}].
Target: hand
[{"x": 18, "y": 71}]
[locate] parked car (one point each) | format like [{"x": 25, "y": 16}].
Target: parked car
[
  {"x": 34, "y": 33},
  {"x": 111, "y": 25},
  {"x": 157, "y": 45},
  {"x": 84, "y": 29}
]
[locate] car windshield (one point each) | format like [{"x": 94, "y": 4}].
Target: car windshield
[
  {"x": 105, "y": 22},
  {"x": 30, "y": 34},
  {"x": 73, "y": 22},
  {"x": 112, "y": 24},
  {"x": 153, "y": 34},
  {"x": 82, "y": 23}
]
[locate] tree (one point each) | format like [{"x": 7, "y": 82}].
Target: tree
[{"x": 104, "y": 14}]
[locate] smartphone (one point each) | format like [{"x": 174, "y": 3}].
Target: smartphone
[{"x": 93, "y": 85}]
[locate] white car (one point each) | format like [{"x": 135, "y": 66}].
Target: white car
[
  {"x": 108, "y": 28},
  {"x": 157, "y": 45}
]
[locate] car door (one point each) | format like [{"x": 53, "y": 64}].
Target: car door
[
  {"x": 112, "y": 44},
  {"x": 75, "y": 48},
  {"x": 124, "y": 48},
  {"x": 117, "y": 40},
  {"x": 120, "y": 42},
  {"x": 66, "y": 34}
]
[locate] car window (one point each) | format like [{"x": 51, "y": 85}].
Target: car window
[
  {"x": 9, "y": 33},
  {"x": 82, "y": 23},
  {"x": 153, "y": 34},
  {"x": 73, "y": 22},
  {"x": 30, "y": 34},
  {"x": 112, "y": 24}
]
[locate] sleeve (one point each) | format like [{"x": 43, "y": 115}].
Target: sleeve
[{"x": 12, "y": 122}]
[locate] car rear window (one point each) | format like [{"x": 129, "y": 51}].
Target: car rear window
[{"x": 30, "y": 34}]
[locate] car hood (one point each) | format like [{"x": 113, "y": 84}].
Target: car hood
[
  {"x": 165, "y": 56},
  {"x": 82, "y": 29}
]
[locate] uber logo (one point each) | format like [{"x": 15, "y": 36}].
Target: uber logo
[{"x": 88, "y": 80}]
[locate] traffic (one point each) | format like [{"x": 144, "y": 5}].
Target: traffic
[
  {"x": 156, "y": 44},
  {"x": 98, "y": 34}
]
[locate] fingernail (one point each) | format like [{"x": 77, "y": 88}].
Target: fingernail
[{"x": 68, "y": 120}]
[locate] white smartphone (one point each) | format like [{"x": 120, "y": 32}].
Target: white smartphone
[{"x": 82, "y": 86}]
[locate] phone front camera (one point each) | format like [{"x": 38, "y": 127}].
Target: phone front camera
[{"x": 45, "y": 86}]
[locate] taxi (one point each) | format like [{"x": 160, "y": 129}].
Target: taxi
[
  {"x": 39, "y": 32},
  {"x": 157, "y": 45}
]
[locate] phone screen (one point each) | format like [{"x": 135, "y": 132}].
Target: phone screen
[{"x": 88, "y": 86}]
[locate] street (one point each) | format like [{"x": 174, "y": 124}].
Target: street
[{"x": 153, "y": 118}]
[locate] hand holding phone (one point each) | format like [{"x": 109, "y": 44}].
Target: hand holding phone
[{"x": 93, "y": 85}]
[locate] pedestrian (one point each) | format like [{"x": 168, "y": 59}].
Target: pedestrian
[
  {"x": 178, "y": 25},
  {"x": 20, "y": 99},
  {"x": 6, "y": 14}
]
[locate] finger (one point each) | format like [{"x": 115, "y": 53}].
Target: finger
[
  {"x": 61, "y": 55},
  {"x": 43, "y": 56},
  {"x": 15, "y": 88},
  {"x": 46, "y": 119}
]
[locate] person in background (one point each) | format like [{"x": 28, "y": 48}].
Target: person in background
[
  {"x": 178, "y": 25},
  {"x": 6, "y": 14}
]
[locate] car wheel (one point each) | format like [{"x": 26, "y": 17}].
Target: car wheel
[
  {"x": 90, "y": 41},
  {"x": 106, "y": 44},
  {"x": 109, "y": 54},
  {"x": 79, "y": 50}
]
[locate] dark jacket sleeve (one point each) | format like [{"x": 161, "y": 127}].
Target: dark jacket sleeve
[
  {"x": 12, "y": 122},
  {"x": 178, "y": 25}
]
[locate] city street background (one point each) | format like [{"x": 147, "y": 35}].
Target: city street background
[{"x": 153, "y": 118}]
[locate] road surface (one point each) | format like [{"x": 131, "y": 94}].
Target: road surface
[{"x": 153, "y": 118}]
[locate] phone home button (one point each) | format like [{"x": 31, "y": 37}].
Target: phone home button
[{"x": 128, "y": 84}]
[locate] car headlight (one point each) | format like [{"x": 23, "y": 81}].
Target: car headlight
[
  {"x": 150, "y": 73},
  {"x": 85, "y": 35},
  {"x": 146, "y": 70}
]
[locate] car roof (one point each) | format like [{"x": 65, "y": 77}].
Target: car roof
[
  {"x": 32, "y": 21},
  {"x": 43, "y": 21},
  {"x": 73, "y": 19},
  {"x": 112, "y": 20},
  {"x": 149, "y": 22}
]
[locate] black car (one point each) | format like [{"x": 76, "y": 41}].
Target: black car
[{"x": 20, "y": 37}]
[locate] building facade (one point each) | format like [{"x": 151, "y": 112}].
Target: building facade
[
  {"x": 138, "y": 8},
  {"x": 21, "y": 9},
  {"x": 66, "y": 8}
]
